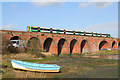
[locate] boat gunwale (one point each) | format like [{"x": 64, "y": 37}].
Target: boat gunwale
[{"x": 56, "y": 66}]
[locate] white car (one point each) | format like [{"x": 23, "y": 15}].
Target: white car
[
  {"x": 108, "y": 49},
  {"x": 15, "y": 43}
]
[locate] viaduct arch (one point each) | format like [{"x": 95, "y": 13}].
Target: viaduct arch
[
  {"x": 73, "y": 46},
  {"x": 47, "y": 44},
  {"x": 103, "y": 45},
  {"x": 84, "y": 46},
  {"x": 34, "y": 43},
  {"x": 114, "y": 44},
  {"x": 15, "y": 38},
  {"x": 119, "y": 45},
  {"x": 62, "y": 46}
]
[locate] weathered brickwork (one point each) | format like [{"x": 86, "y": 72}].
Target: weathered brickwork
[{"x": 66, "y": 44}]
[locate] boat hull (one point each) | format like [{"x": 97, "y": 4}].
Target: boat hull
[{"x": 40, "y": 69}]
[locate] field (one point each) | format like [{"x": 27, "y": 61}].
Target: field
[{"x": 75, "y": 66}]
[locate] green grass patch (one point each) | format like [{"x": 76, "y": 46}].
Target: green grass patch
[
  {"x": 103, "y": 72},
  {"x": 41, "y": 60},
  {"x": 109, "y": 52}
]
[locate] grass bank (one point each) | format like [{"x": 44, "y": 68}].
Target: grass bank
[{"x": 104, "y": 52}]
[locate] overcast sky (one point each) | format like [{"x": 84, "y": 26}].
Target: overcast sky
[{"x": 101, "y": 17}]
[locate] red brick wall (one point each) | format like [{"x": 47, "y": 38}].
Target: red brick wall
[{"x": 91, "y": 45}]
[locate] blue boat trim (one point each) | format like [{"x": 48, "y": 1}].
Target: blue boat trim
[{"x": 37, "y": 66}]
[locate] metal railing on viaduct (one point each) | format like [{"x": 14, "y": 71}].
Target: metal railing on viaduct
[{"x": 64, "y": 43}]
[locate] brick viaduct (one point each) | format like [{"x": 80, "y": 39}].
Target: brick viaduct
[{"x": 64, "y": 43}]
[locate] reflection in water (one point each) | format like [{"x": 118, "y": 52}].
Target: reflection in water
[{"x": 103, "y": 56}]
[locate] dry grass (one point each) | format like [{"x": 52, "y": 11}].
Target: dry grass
[
  {"x": 104, "y": 52},
  {"x": 18, "y": 56},
  {"x": 28, "y": 74},
  {"x": 11, "y": 73},
  {"x": 47, "y": 54}
]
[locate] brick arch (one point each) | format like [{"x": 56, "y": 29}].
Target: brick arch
[
  {"x": 119, "y": 45},
  {"x": 62, "y": 46},
  {"x": 47, "y": 44},
  {"x": 73, "y": 46},
  {"x": 34, "y": 43},
  {"x": 103, "y": 45},
  {"x": 32, "y": 38},
  {"x": 84, "y": 46},
  {"x": 15, "y": 38},
  {"x": 114, "y": 44}
]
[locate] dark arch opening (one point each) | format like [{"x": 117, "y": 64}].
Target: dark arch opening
[
  {"x": 72, "y": 43},
  {"x": 83, "y": 43},
  {"x": 15, "y": 38},
  {"x": 14, "y": 41},
  {"x": 13, "y": 44},
  {"x": 113, "y": 44},
  {"x": 60, "y": 45},
  {"x": 102, "y": 45},
  {"x": 34, "y": 44},
  {"x": 47, "y": 44},
  {"x": 119, "y": 45}
]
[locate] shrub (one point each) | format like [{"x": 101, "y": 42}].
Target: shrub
[
  {"x": 4, "y": 45},
  {"x": 35, "y": 47},
  {"x": 10, "y": 49}
]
